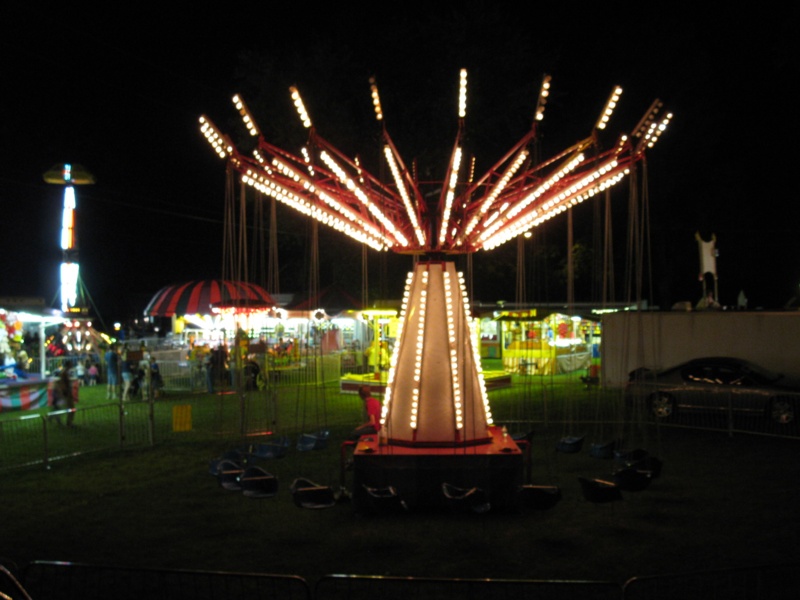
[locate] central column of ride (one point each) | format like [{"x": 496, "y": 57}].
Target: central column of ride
[
  {"x": 437, "y": 430},
  {"x": 435, "y": 393}
]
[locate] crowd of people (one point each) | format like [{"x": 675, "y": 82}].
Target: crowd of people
[{"x": 127, "y": 378}]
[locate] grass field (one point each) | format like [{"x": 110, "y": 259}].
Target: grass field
[{"x": 720, "y": 502}]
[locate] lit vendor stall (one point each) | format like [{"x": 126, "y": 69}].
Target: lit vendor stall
[
  {"x": 209, "y": 311},
  {"x": 21, "y": 389},
  {"x": 371, "y": 352},
  {"x": 557, "y": 343},
  {"x": 381, "y": 329}
]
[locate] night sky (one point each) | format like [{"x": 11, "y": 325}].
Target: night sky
[{"x": 120, "y": 93}]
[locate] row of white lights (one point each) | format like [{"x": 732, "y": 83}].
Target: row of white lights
[
  {"x": 401, "y": 332},
  {"x": 491, "y": 226},
  {"x": 596, "y": 182},
  {"x": 473, "y": 343}
]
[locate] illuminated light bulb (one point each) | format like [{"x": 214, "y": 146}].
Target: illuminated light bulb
[
  {"x": 544, "y": 93},
  {"x": 410, "y": 211},
  {"x": 497, "y": 189},
  {"x": 363, "y": 198},
  {"x": 215, "y": 138},
  {"x": 300, "y": 106},
  {"x": 462, "y": 94},
  {"x": 456, "y": 163},
  {"x": 608, "y": 109},
  {"x": 376, "y": 100},
  {"x": 249, "y": 122}
]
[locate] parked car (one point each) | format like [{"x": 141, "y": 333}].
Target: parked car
[{"x": 715, "y": 384}]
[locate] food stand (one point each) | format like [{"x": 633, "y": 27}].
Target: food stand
[
  {"x": 557, "y": 343},
  {"x": 380, "y": 332},
  {"x": 20, "y": 389}
]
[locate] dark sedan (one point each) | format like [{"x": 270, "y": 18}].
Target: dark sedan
[{"x": 715, "y": 384}]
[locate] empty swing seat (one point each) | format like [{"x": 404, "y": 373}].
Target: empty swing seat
[
  {"x": 385, "y": 499},
  {"x": 255, "y": 482},
  {"x": 570, "y": 444},
  {"x": 602, "y": 450},
  {"x": 473, "y": 499},
  {"x": 313, "y": 441},
  {"x": 273, "y": 449},
  {"x": 228, "y": 475},
  {"x": 631, "y": 480},
  {"x": 230, "y": 455},
  {"x": 307, "y": 494},
  {"x": 650, "y": 465},
  {"x": 599, "y": 491},
  {"x": 628, "y": 457},
  {"x": 539, "y": 497}
]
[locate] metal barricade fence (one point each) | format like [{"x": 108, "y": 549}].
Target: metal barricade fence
[
  {"x": 767, "y": 582},
  {"x": 357, "y": 587},
  {"x": 65, "y": 581},
  {"x": 22, "y": 441},
  {"x": 44, "y": 438},
  {"x": 310, "y": 389},
  {"x": 40, "y": 438},
  {"x": 72, "y": 581}
]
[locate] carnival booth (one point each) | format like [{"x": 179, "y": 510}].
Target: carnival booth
[
  {"x": 20, "y": 388},
  {"x": 371, "y": 352},
  {"x": 557, "y": 343}
]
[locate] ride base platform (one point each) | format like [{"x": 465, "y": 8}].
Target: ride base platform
[{"x": 417, "y": 474}]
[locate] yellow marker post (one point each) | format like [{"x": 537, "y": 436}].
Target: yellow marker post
[{"x": 182, "y": 417}]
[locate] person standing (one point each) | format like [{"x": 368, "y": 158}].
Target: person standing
[
  {"x": 127, "y": 377},
  {"x": 63, "y": 398},
  {"x": 208, "y": 363},
  {"x": 93, "y": 374},
  {"x": 156, "y": 383},
  {"x": 80, "y": 372},
  {"x": 112, "y": 373}
]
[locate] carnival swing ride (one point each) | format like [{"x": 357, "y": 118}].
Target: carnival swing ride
[{"x": 437, "y": 431}]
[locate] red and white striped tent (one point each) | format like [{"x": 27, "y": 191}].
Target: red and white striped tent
[{"x": 200, "y": 297}]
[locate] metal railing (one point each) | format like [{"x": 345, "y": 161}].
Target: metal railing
[
  {"x": 183, "y": 410},
  {"x": 356, "y": 587},
  {"x": 67, "y": 581}
]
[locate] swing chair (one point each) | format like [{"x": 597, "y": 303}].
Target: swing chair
[
  {"x": 307, "y": 494},
  {"x": 629, "y": 479},
  {"x": 634, "y": 462},
  {"x": 474, "y": 499},
  {"x": 275, "y": 448},
  {"x": 602, "y": 449},
  {"x": 600, "y": 491},
  {"x": 229, "y": 456},
  {"x": 570, "y": 444},
  {"x": 313, "y": 441},
  {"x": 314, "y": 371},
  {"x": 628, "y": 457},
  {"x": 608, "y": 429},
  {"x": 228, "y": 475},
  {"x": 608, "y": 423},
  {"x": 255, "y": 482},
  {"x": 384, "y": 499},
  {"x": 650, "y": 465}
]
